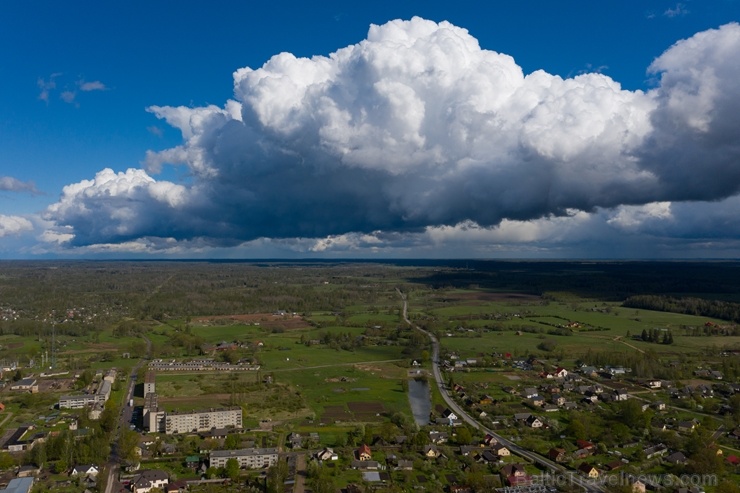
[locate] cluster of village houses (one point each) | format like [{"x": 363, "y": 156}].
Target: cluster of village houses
[{"x": 560, "y": 389}]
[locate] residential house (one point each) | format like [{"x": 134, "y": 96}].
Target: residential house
[
  {"x": 466, "y": 450},
  {"x": 655, "y": 451},
  {"x": 589, "y": 371},
  {"x": 28, "y": 471},
  {"x": 557, "y": 399},
  {"x": 192, "y": 461},
  {"x": 588, "y": 470},
  {"x": 557, "y": 454},
  {"x": 148, "y": 480},
  {"x": 536, "y": 401},
  {"x": 500, "y": 450},
  {"x": 486, "y": 400},
  {"x": 438, "y": 437},
  {"x": 529, "y": 392},
  {"x": 431, "y": 451},
  {"x": 516, "y": 475},
  {"x": 621, "y": 395},
  {"x": 295, "y": 440},
  {"x": 326, "y": 454},
  {"x": 488, "y": 456},
  {"x": 26, "y": 385},
  {"x": 450, "y": 416},
  {"x": 84, "y": 470},
  {"x": 534, "y": 422},
  {"x": 677, "y": 458},
  {"x": 581, "y": 453},
  {"x": 585, "y": 444},
  {"x": 364, "y": 453},
  {"x": 686, "y": 426},
  {"x": 179, "y": 486},
  {"x": 489, "y": 440}
]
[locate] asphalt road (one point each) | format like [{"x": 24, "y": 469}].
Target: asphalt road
[{"x": 124, "y": 420}]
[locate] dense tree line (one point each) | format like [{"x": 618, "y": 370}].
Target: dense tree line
[
  {"x": 657, "y": 335},
  {"x": 723, "y": 310}
]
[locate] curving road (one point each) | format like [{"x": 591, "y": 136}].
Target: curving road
[{"x": 561, "y": 473}]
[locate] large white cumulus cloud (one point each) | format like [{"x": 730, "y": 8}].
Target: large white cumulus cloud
[
  {"x": 418, "y": 127},
  {"x": 14, "y": 225}
]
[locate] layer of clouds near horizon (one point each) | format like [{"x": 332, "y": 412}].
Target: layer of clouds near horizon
[{"x": 418, "y": 127}]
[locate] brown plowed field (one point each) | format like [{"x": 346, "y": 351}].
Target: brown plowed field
[{"x": 356, "y": 411}]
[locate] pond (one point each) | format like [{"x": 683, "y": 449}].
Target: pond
[{"x": 420, "y": 400}]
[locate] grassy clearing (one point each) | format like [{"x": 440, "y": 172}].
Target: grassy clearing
[{"x": 603, "y": 326}]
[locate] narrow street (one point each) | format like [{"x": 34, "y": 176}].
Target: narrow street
[{"x": 114, "y": 462}]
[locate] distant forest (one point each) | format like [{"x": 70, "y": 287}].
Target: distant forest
[{"x": 722, "y": 310}]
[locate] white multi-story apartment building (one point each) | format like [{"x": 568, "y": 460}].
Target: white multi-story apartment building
[
  {"x": 202, "y": 420},
  {"x": 248, "y": 458},
  {"x": 159, "y": 421},
  {"x": 84, "y": 400}
]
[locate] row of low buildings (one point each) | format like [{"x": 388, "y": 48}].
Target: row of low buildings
[
  {"x": 22, "y": 438},
  {"x": 199, "y": 365}
]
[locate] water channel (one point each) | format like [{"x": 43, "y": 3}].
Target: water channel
[{"x": 420, "y": 399}]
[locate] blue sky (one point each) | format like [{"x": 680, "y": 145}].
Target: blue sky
[{"x": 595, "y": 136}]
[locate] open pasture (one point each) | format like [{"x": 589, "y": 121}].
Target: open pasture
[
  {"x": 338, "y": 384},
  {"x": 269, "y": 321},
  {"x": 600, "y": 326}
]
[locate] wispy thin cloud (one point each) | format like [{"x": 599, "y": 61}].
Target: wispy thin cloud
[
  {"x": 68, "y": 97},
  {"x": 10, "y": 184},
  {"x": 94, "y": 85},
  {"x": 155, "y": 130},
  {"x": 47, "y": 86},
  {"x": 679, "y": 10},
  {"x": 69, "y": 90}
]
